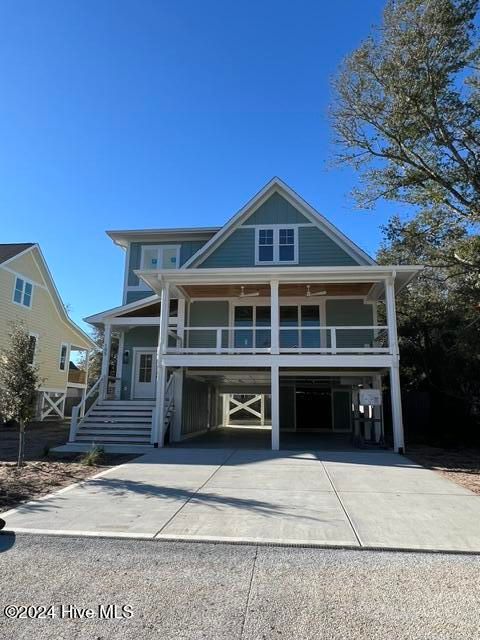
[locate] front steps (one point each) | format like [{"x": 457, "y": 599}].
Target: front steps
[{"x": 116, "y": 423}]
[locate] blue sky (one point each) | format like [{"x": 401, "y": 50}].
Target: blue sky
[{"x": 142, "y": 114}]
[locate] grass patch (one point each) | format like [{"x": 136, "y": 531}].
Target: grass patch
[{"x": 94, "y": 457}]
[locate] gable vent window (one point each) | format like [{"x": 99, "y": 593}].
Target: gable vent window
[
  {"x": 22, "y": 294},
  {"x": 277, "y": 245}
]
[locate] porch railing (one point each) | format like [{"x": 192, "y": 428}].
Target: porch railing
[
  {"x": 292, "y": 339},
  {"x": 79, "y": 410}
]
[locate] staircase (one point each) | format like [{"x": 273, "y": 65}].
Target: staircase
[{"x": 117, "y": 422}]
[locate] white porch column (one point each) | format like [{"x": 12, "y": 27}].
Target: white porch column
[
  {"x": 158, "y": 427},
  {"x": 378, "y": 410},
  {"x": 107, "y": 340},
  {"x": 391, "y": 315},
  {"x": 118, "y": 372},
  {"x": 275, "y": 391},
  {"x": 397, "y": 419},
  {"x": 274, "y": 317},
  {"x": 395, "y": 389},
  {"x": 181, "y": 320}
]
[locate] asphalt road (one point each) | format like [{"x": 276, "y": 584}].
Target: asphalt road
[{"x": 196, "y": 590}]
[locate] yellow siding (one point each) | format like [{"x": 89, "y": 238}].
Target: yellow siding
[{"x": 42, "y": 318}]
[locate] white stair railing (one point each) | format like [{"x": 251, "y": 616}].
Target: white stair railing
[{"x": 79, "y": 409}]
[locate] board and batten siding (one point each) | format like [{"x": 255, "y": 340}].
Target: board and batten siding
[
  {"x": 42, "y": 319},
  {"x": 195, "y": 408},
  {"x": 350, "y": 312}
]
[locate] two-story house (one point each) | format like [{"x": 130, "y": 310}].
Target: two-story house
[
  {"x": 270, "y": 322},
  {"x": 29, "y": 296}
]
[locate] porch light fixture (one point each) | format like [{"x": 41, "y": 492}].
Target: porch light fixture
[{"x": 126, "y": 356}]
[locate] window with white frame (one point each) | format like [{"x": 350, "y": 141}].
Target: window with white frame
[
  {"x": 160, "y": 256},
  {"x": 276, "y": 245},
  {"x": 22, "y": 293},
  {"x": 32, "y": 347},
  {"x": 63, "y": 357}
]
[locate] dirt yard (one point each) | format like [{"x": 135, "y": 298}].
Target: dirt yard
[
  {"x": 43, "y": 472},
  {"x": 458, "y": 465}
]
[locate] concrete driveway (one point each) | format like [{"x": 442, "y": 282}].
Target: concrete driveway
[{"x": 348, "y": 499}]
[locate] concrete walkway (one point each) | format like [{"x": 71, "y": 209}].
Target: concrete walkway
[{"x": 348, "y": 499}]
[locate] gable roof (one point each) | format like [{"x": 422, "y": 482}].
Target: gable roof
[
  {"x": 9, "y": 251},
  {"x": 51, "y": 287},
  {"x": 278, "y": 186}
]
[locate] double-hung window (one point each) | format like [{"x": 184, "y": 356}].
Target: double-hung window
[
  {"x": 276, "y": 245},
  {"x": 22, "y": 293}
]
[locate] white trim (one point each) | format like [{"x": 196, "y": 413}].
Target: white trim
[
  {"x": 276, "y": 244},
  {"x": 136, "y": 350},
  {"x": 278, "y": 186},
  {"x": 379, "y": 361},
  {"x": 126, "y": 272},
  {"x": 186, "y": 234},
  {"x": 25, "y": 281},
  {"x": 130, "y": 306}
]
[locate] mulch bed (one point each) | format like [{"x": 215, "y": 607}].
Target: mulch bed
[
  {"x": 43, "y": 472},
  {"x": 458, "y": 465}
]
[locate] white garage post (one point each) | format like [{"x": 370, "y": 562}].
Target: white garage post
[
  {"x": 275, "y": 392},
  {"x": 107, "y": 339},
  {"x": 158, "y": 427},
  {"x": 395, "y": 391},
  {"x": 177, "y": 401}
]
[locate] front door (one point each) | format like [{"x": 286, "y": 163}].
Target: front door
[{"x": 144, "y": 375}]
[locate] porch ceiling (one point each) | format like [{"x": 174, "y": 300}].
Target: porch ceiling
[{"x": 285, "y": 290}]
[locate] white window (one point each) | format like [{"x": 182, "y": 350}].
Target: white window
[
  {"x": 160, "y": 256},
  {"x": 276, "y": 245},
  {"x": 63, "y": 356},
  {"x": 22, "y": 293}
]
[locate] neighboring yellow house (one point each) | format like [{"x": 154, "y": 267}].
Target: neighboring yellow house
[{"x": 28, "y": 293}]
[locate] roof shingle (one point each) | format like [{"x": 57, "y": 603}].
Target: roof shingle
[{"x": 8, "y": 251}]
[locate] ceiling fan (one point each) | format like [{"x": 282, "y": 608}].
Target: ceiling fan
[
  {"x": 252, "y": 294},
  {"x": 315, "y": 293}
]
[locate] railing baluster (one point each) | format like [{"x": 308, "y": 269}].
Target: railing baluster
[{"x": 333, "y": 339}]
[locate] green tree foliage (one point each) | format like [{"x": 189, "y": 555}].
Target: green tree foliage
[
  {"x": 407, "y": 118},
  {"x": 95, "y": 360},
  {"x": 439, "y": 314},
  {"x": 19, "y": 382},
  {"x": 407, "y": 108}
]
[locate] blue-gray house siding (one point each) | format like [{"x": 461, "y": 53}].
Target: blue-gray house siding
[{"x": 315, "y": 247}]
